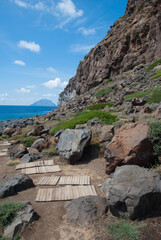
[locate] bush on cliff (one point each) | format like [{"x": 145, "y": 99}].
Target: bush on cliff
[
  {"x": 155, "y": 136},
  {"x": 154, "y": 64},
  {"x": 99, "y": 106},
  {"x": 105, "y": 117}
]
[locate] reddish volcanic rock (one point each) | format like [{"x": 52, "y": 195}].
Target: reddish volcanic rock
[{"x": 131, "y": 146}]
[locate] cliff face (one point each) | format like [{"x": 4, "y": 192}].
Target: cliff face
[{"x": 134, "y": 38}]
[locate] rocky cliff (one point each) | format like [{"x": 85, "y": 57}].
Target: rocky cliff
[{"x": 134, "y": 38}]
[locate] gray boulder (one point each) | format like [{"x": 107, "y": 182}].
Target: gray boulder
[
  {"x": 10, "y": 185},
  {"x": 29, "y": 158},
  {"x": 72, "y": 143},
  {"x": 38, "y": 144},
  {"x": 134, "y": 192},
  {"x": 23, "y": 218},
  {"x": 85, "y": 210},
  {"x": 17, "y": 151}
]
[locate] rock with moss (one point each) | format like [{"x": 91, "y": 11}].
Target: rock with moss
[
  {"x": 23, "y": 217},
  {"x": 72, "y": 144}
]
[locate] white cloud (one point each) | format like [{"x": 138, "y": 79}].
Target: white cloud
[
  {"x": 51, "y": 69},
  {"x": 64, "y": 10},
  {"x": 86, "y": 32},
  {"x": 19, "y": 62},
  {"x": 49, "y": 95},
  {"x": 57, "y": 83},
  {"x": 23, "y": 90},
  {"x": 31, "y": 86},
  {"x": 81, "y": 48},
  {"x": 4, "y": 95},
  {"x": 32, "y": 46},
  {"x": 67, "y": 8},
  {"x": 21, "y": 3}
]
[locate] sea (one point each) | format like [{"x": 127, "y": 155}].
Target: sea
[{"x": 18, "y": 112}]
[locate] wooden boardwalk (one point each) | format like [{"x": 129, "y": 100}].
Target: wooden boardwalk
[
  {"x": 64, "y": 193},
  {"x": 5, "y": 144},
  {"x": 49, "y": 181},
  {"x": 35, "y": 164},
  {"x": 39, "y": 170},
  {"x": 74, "y": 180},
  {"x": 3, "y": 154}
]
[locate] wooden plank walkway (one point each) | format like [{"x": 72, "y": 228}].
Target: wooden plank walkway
[
  {"x": 75, "y": 180},
  {"x": 49, "y": 181},
  {"x": 2, "y": 154},
  {"x": 35, "y": 164},
  {"x": 39, "y": 170},
  {"x": 64, "y": 193},
  {"x": 5, "y": 144}
]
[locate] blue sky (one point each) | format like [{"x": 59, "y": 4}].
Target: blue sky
[{"x": 43, "y": 41}]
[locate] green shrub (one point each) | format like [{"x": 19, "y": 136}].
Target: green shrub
[
  {"x": 108, "y": 80},
  {"x": 154, "y": 64},
  {"x": 124, "y": 229},
  {"x": 155, "y": 136},
  {"x": 102, "y": 92},
  {"x": 155, "y": 96},
  {"x": 27, "y": 141},
  {"x": 12, "y": 164},
  {"x": 136, "y": 94},
  {"x": 8, "y": 211},
  {"x": 105, "y": 117},
  {"x": 99, "y": 106},
  {"x": 50, "y": 151},
  {"x": 157, "y": 75}
]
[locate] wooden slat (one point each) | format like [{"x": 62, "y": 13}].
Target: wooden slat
[
  {"x": 5, "y": 144},
  {"x": 64, "y": 193},
  {"x": 47, "y": 181},
  {"x": 40, "y": 170},
  {"x": 2, "y": 154},
  {"x": 35, "y": 164},
  {"x": 74, "y": 180}
]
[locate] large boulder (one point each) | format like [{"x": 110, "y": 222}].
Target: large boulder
[
  {"x": 134, "y": 192},
  {"x": 72, "y": 143},
  {"x": 8, "y": 131},
  {"x": 85, "y": 210},
  {"x": 17, "y": 150},
  {"x": 22, "y": 219},
  {"x": 38, "y": 130},
  {"x": 39, "y": 144},
  {"x": 10, "y": 185},
  {"x": 131, "y": 146}
]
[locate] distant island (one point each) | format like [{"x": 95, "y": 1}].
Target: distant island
[{"x": 44, "y": 103}]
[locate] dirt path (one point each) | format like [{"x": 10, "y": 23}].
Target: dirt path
[{"x": 52, "y": 224}]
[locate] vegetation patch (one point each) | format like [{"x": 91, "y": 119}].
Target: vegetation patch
[
  {"x": 157, "y": 75},
  {"x": 102, "y": 92},
  {"x": 154, "y": 64},
  {"x": 105, "y": 117},
  {"x": 10, "y": 164},
  {"x": 8, "y": 211},
  {"x": 50, "y": 151},
  {"x": 136, "y": 94},
  {"x": 2, "y": 137},
  {"x": 108, "y": 80},
  {"x": 27, "y": 141},
  {"x": 155, "y": 136},
  {"x": 99, "y": 106},
  {"x": 155, "y": 96},
  {"x": 124, "y": 229}
]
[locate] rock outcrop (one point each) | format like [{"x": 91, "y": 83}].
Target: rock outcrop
[
  {"x": 72, "y": 143},
  {"x": 132, "y": 40},
  {"x": 23, "y": 218},
  {"x": 10, "y": 185},
  {"x": 134, "y": 192},
  {"x": 85, "y": 210},
  {"x": 129, "y": 146}
]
